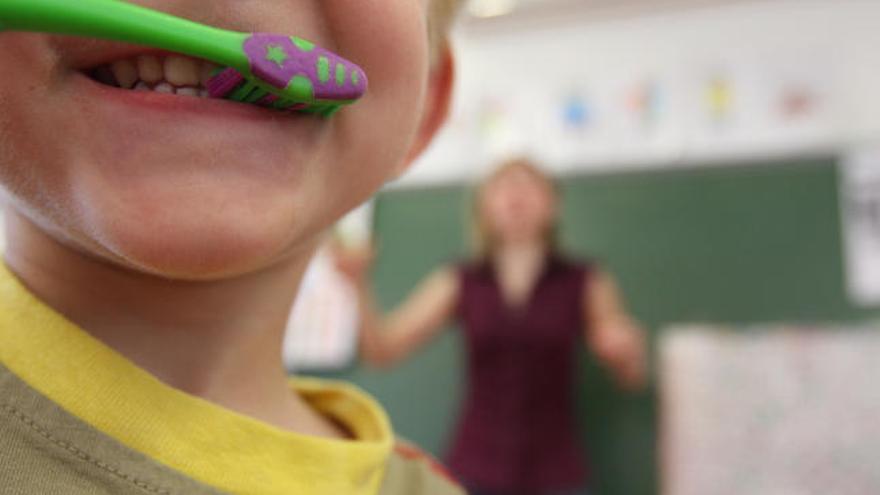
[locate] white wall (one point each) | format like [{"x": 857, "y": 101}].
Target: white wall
[{"x": 522, "y": 73}]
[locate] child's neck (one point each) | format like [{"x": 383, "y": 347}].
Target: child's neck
[{"x": 217, "y": 340}]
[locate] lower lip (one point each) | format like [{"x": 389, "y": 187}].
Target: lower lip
[
  {"x": 180, "y": 105},
  {"x": 261, "y": 144}
]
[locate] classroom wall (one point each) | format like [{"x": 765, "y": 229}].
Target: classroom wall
[
  {"x": 516, "y": 76},
  {"x": 753, "y": 243}
]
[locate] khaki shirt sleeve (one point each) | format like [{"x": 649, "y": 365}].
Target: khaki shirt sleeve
[{"x": 413, "y": 472}]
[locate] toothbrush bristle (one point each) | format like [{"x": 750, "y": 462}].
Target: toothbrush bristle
[
  {"x": 232, "y": 85},
  {"x": 224, "y": 82}
]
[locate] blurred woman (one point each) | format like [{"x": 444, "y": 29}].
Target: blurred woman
[{"x": 523, "y": 308}]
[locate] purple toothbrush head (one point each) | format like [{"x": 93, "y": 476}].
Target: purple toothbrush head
[{"x": 299, "y": 75}]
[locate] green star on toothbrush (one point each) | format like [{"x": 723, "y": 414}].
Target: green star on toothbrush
[{"x": 275, "y": 53}]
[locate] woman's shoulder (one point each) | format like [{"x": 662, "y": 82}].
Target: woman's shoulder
[
  {"x": 469, "y": 266},
  {"x": 557, "y": 261}
]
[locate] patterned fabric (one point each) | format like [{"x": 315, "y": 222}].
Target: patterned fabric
[{"x": 518, "y": 430}]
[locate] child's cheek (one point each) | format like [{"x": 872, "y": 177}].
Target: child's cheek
[
  {"x": 389, "y": 39},
  {"x": 31, "y": 125}
]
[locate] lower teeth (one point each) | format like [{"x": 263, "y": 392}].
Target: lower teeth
[{"x": 166, "y": 88}]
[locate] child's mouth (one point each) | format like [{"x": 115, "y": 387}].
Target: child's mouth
[
  {"x": 168, "y": 74},
  {"x": 144, "y": 83}
]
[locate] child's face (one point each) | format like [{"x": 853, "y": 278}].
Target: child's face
[{"x": 190, "y": 188}]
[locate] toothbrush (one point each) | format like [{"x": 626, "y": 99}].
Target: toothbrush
[{"x": 276, "y": 71}]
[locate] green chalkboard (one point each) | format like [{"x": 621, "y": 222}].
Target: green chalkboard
[{"x": 739, "y": 244}]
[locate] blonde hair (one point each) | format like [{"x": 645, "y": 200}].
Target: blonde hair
[
  {"x": 441, "y": 17},
  {"x": 484, "y": 243}
]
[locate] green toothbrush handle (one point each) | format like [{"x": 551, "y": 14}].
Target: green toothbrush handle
[{"x": 120, "y": 21}]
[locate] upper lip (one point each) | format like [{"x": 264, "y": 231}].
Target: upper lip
[{"x": 94, "y": 53}]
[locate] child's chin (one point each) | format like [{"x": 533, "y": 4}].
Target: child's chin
[
  {"x": 216, "y": 229},
  {"x": 197, "y": 256},
  {"x": 201, "y": 248},
  {"x": 193, "y": 262}
]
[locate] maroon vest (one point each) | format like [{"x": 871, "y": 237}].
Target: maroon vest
[{"x": 518, "y": 432}]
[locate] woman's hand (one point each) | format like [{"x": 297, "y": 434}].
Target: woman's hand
[
  {"x": 621, "y": 347},
  {"x": 615, "y": 338},
  {"x": 354, "y": 262},
  {"x": 388, "y": 338}
]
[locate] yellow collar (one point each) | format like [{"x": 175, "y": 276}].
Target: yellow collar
[{"x": 218, "y": 447}]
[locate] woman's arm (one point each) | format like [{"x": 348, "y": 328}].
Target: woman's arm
[
  {"x": 611, "y": 333},
  {"x": 386, "y": 339}
]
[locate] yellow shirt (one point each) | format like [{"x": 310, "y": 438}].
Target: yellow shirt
[{"x": 210, "y": 444}]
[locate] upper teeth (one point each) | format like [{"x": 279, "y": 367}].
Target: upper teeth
[{"x": 171, "y": 74}]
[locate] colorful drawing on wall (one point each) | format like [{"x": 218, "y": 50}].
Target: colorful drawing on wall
[
  {"x": 497, "y": 124},
  {"x": 494, "y": 117},
  {"x": 577, "y": 113},
  {"x": 643, "y": 102},
  {"x": 796, "y": 102},
  {"x": 799, "y": 95},
  {"x": 719, "y": 100}
]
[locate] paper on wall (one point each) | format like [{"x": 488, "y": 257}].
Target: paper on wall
[
  {"x": 322, "y": 330},
  {"x": 323, "y": 325},
  {"x": 770, "y": 410},
  {"x": 860, "y": 210}
]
